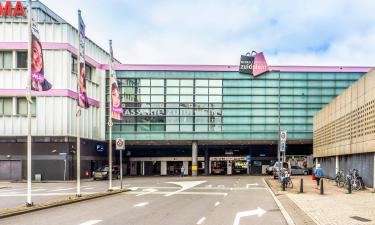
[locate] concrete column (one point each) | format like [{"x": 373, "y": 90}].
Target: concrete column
[
  {"x": 206, "y": 162},
  {"x": 186, "y": 166},
  {"x": 209, "y": 167},
  {"x": 316, "y": 162},
  {"x": 143, "y": 168},
  {"x": 229, "y": 167},
  {"x": 337, "y": 164},
  {"x": 163, "y": 168},
  {"x": 194, "y": 155}
]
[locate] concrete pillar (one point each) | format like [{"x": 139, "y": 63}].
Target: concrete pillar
[
  {"x": 209, "y": 167},
  {"x": 229, "y": 167},
  {"x": 316, "y": 162},
  {"x": 337, "y": 164},
  {"x": 186, "y": 166},
  {"x": 143, "y": 168},
  {"x": 194, "y": 155},
  {"x": 206, "y": 162},
  {"x": 163, "y": 168}
]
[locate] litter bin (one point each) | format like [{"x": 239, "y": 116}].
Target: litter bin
[{"x": 38, "y": 177}]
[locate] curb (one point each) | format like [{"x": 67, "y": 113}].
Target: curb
[
  {"x": 287, "y": 217},
  {"x": 71, "y": 199}
]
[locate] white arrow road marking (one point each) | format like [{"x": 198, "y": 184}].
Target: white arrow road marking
[
  {"x": 147, "y": 191},
  {"x": 185, "y": 186},
  {"x": 249, "y": 185},
  {"x": 217, "y": 203},
  {"x": 239, "y": 215},
  {"x": 209, "y": 186},
  {"x": 201, "y": 220},
  {"x": 141, "y": 204},
  {"x": 133, "y": 188},
  {"x": 91, "y": 222}
]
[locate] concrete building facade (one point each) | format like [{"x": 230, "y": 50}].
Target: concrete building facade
[{"x": 344, "y": 131}]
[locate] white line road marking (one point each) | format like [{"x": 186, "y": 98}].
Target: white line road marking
[
  {"x": 217, "y": 203},
  {"x": 89, "y": 188},
  {"x": 220, "y": 186},
  {"x": 133, "y": 188},
  {"x": 209, "y": 186},
  {"x": 185, "y": 185},
  {"x": 179, "y": 193},
  {"x": 141, "y": 204},
  {"x": 249, "y": 185},
  {"x": 91, "y": 222},
  {"x": 63, "y": 189},
  {"x": 43, "y": 194},
  {"x": 147, "y": 191},
  {"x": 239, "y": 215},
  {"x": 201, "y": 220}
]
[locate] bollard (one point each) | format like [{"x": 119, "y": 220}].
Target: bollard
[
  {"x": 350, "y": 187},
  {"x": 321, "y": 187},
  {"x": 301, "y": 186},
  {"x": 284, "y": 183}
]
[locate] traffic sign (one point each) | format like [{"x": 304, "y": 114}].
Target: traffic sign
[
  {"x": 120, "y": 144},
  {"x": 282, "y": 146},
  {"x": 283, "y": 136}
]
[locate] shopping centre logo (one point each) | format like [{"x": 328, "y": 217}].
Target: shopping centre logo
[
  {"x": 6, "y": 9},
  {"x": 253, "y": 63}
]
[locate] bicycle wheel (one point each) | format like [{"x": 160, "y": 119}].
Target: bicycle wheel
[
  {"x": 356, "y": 185},
  {"x": 341, "y": 182}
]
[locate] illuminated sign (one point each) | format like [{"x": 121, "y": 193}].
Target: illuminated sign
[
  {"x": 253, "y": 63},
  {"x": 6, "y": 9}
]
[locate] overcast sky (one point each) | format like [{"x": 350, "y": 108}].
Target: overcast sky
[{"x": 289, "y": 32}]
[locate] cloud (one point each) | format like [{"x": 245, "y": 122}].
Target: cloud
[{"x": 290, "y": 32}]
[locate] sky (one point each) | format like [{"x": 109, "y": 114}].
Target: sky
[{"x": 217, "y": 32}]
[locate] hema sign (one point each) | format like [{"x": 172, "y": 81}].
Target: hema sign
[
  {"x": 253, "y": 63},
  {"x": 6, "y": 9}
]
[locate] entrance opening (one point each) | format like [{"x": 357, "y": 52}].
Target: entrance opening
[
  {"x": 218, "y": 167},
  {"x": 174, "y": 167}
]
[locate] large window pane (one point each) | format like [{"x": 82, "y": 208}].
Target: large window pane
[
  {"x": 203, "y": 98},
  {"x": 186, "y": 83},
  {"x": 157, "y": 82},
  {"x": 199, "y": 83},
  {"x": 21, "y": 59},
  {"x": 215, "y": 83},
  {"x": 215, "y": 91},
  {"x": 145, "y": 82},
  {"x": 186, "y": 98},
  {"x": 172, "y": 90},
  {"x": 157, "y": 98},
  {"x": 7, "y": 61},
  {"x": 173, "y": 83},
  {"x": 201, "y": 91},
  {"x": 21, "y": 106},
  {"x": 172, "y": 98},
  {"x": 186, "y": 91},
  {"x": 157, "y": 91}
]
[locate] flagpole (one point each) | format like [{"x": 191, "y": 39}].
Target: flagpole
[
  {"x": 78, "y": 114},
  {"x": 110, "y": 122},
  {"x": 29, "y": 102}
]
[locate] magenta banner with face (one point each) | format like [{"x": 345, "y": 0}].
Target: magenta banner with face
[
  {"x": 38, "y": 81},
  {"x": 117, "y": 110},
  {"x": 82, "y": 92}
]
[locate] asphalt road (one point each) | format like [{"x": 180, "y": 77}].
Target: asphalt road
[{"x": 215, "y": 200}]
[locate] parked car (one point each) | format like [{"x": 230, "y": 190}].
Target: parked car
[
  {"x": 102, "y": 173},
  {"x": 296, "y": 170},
  {"x": 269, "y": 170}
]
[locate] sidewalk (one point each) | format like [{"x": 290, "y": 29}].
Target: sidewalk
[{"x": 334, "y": 207}]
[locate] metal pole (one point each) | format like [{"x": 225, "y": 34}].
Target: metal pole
[
  {"x": 121, "y": 169},
  {"x": 65, "y": 169},
  {"x": 278, "y": 106},
  {"x": 29, "y": 102},
  {"x": 78, "y": 115},
  {"x": 110, "y": 122}
]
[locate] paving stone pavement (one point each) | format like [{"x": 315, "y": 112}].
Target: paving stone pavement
[{"x": 335, "y": 207}]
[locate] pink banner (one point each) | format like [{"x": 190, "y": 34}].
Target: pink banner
[
  {"x": 82, "y": 92},
  {"x": 117, "y": 110}
]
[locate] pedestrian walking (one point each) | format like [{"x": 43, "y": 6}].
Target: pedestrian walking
[
  {"x": 318, "y": 174},
  {"x": 182, "y": 171}
]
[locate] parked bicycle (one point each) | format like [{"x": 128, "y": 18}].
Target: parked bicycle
[
  {"x": 352, "y": 178},
  {"x": 340, "y": 178},
  {"x": 284, "y": 175}
]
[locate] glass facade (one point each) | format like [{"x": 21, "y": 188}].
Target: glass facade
[{"x": 172, "y": 105}]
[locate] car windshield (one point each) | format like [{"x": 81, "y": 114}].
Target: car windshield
[{"x": 103, "y": 169}]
